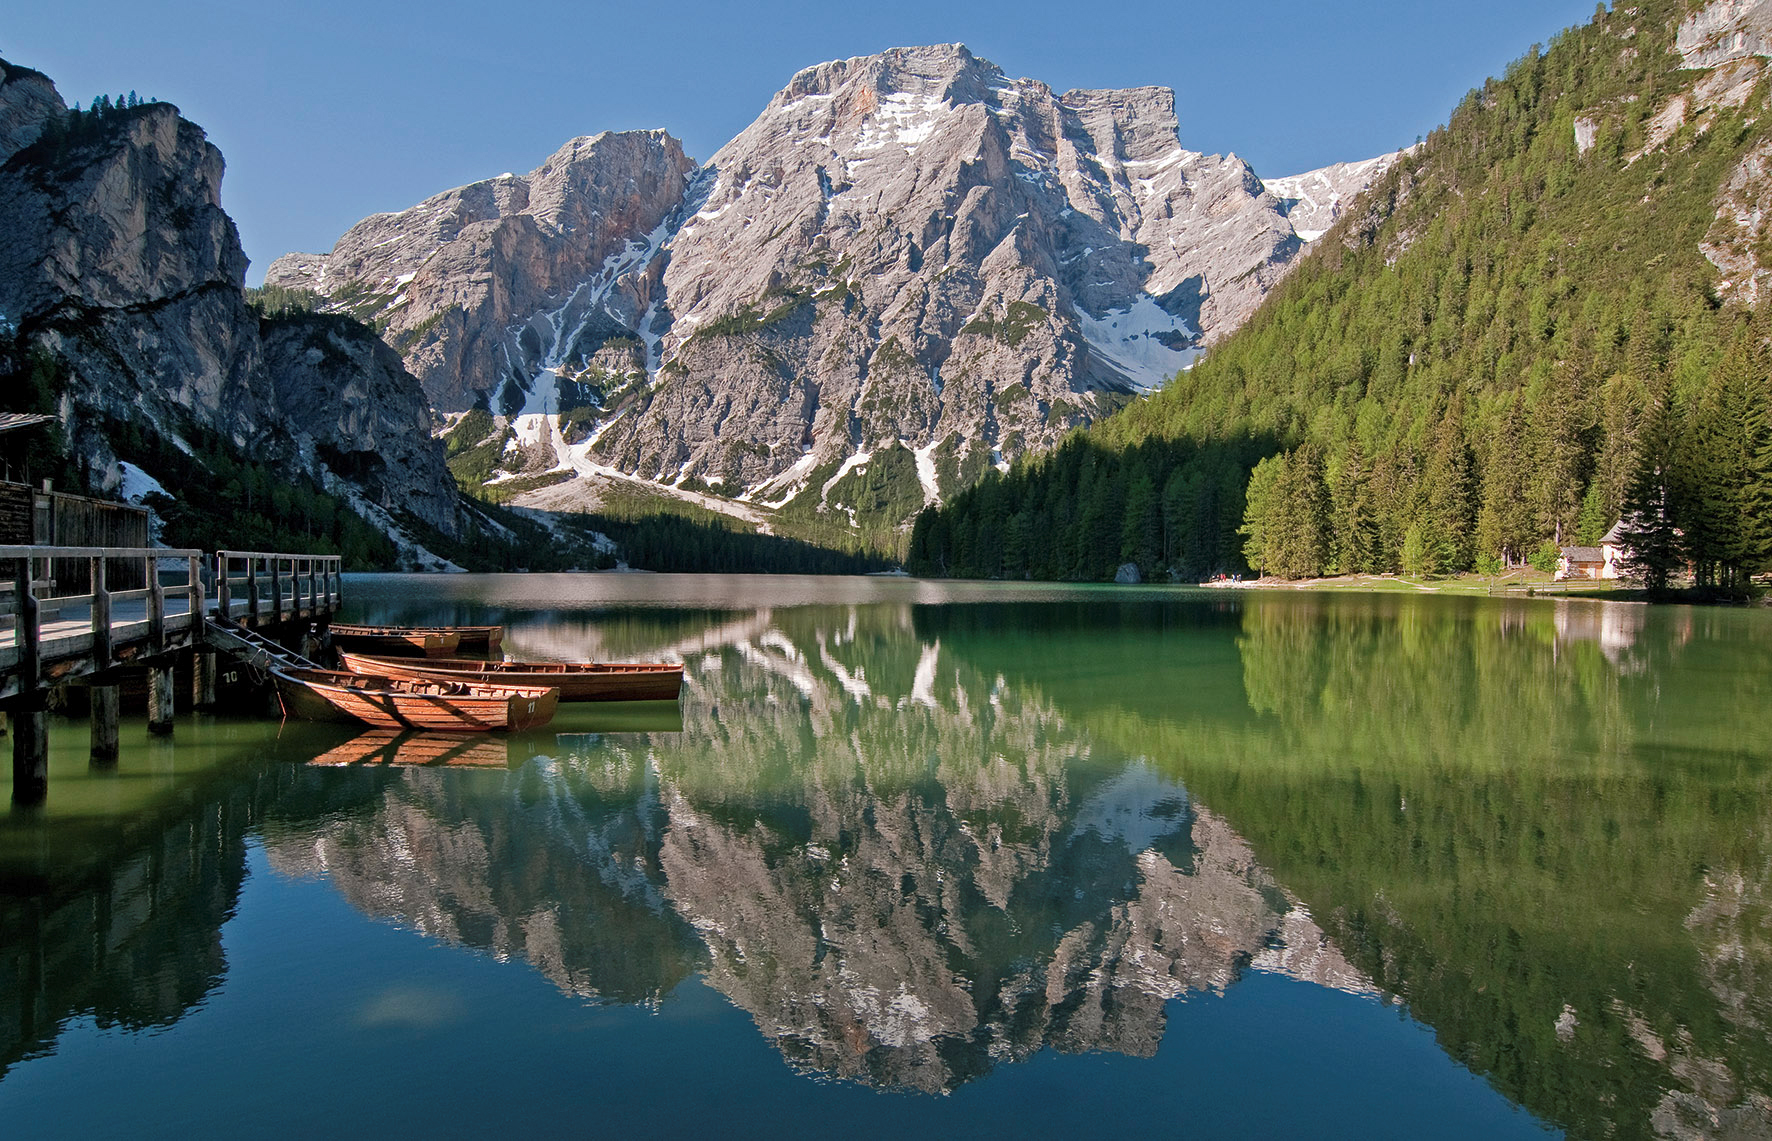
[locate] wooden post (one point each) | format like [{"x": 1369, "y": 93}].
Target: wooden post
[
  {"x": 106, "y": 725},
  {"x": 313, "y": 586},
  {"x": 203, "y": 663},
  {"x": 156, "y": 608},
  {"x": 105, "y": 707},
  {"x": 223, "y": 600},
  {"x": 203, "y": 682},
  {"x": 30, "y": 738},
  {"x": 276, "y": 589},
  {"x": 101, "y": 617},
  {"x": 252, "y": 590},
  {"x": 194, "y": 599},
  {"x": 160, "y": 699}
]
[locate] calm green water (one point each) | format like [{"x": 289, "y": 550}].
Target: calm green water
[{"x": 1009, "y": 861}]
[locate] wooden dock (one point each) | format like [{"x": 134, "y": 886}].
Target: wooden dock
[{"x": 192, "y": 604}]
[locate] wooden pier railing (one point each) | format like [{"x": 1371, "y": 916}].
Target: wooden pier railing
[
  {"x": 99, "y": 627},
  {"x": 270, "y": 587},
  {"x": 94, "y": 634}
]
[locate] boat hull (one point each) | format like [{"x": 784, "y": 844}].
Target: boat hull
[
  {"x": 461, "y": 706},
  {"x": 576, "y": 681},
  {"x": 396, "y": 641},
  {"x": 475, "y": 639}
]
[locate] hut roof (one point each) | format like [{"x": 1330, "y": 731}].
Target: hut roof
[{"x": 11, "y": 420}]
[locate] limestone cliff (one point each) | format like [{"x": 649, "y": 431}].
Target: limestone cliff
[
  {"x": 121, "y": 264},
  {"x": 460, "y": 282}
]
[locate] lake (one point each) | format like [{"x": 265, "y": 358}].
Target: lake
[{"x": 993, "y": 860}]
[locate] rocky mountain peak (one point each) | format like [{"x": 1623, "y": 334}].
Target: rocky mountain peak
[
  {"x": 946, "y": 71},
  {"x": 1315, "y": 200},
  {"x": 456, "y": 280},
  {"x": 28, "y": 101},
  {"x": 909, "y": 268}
]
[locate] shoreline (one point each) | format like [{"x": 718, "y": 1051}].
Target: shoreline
[{"x": 1529, "y": 585}]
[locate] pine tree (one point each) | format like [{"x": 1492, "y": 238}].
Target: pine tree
[
  {"x": 1505, "y": 527},
  {"x": 1447, "y": 514},
  {"x": 1653, "y": 542},
  {"x": 1356, "y": 529},
  {"x": 1141, "y": 535},
  {"x": 1261, "y": 514}
]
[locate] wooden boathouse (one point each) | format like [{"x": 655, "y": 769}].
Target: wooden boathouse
[{"x": 91, "y": 615}]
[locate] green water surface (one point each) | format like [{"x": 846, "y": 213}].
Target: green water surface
[{"x": 975, "y": 859}]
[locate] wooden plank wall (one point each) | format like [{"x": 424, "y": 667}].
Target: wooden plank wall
[
  {"x": 54, "y": 518},
  {"x": 17, "y": 514}
]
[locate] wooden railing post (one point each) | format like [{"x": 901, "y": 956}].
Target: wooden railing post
[
  {"x": 252, "y": 588},
  {"x": 223, "y": 599},
  {"x": 30, "y": 737},
  {"x": 194, "y": 593},
  {"x": 203, "y": 663},
  {"x": 276, "y": 588},
  {"x": 104, "y": 702},
  {"x": 101, "y": 616},
  {"x": 156, "y": 607}
]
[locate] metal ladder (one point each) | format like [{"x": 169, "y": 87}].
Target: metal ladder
[{"x": 252, "y": 647}]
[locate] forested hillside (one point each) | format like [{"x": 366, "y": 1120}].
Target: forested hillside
[{"x": 1518, "y": 336}]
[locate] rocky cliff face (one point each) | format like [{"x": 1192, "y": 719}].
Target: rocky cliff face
[
  {"x": 910, "y": 267},
  {"x": 1725, "y": 30},
  {"x": 467, "y": 283},
  {"x": 121, "y": 263},
  {"x": 27, "y": 101}
]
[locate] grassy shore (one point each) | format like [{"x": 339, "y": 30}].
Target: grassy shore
[{"x": 1523, "y": 581}]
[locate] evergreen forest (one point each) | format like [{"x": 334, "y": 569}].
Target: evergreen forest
[{"x": 1513, "y": 342}]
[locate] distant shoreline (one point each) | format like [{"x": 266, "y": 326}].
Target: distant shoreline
[{"x": 1529, "y": 585}]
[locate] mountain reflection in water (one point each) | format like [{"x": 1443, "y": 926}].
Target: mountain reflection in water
[
  {"x": 905, "y": 871},
  {"x": 916, "y": 840}
]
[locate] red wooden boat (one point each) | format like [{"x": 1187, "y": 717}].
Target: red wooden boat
[
  {"x": 464, "y": 705},
  {"x": 576, "y": 681},
  {"x": 396, "y": 641}
]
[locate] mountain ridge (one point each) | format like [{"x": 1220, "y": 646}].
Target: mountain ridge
[{"x": 908, "y": 269}]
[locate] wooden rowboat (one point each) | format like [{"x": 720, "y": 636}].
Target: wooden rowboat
[
  {"x": 460, "y": 706},
  {"x": 474, "y": 639},
  {"x": 576, "y": 681},
  {"x": 396, "y": 641}
]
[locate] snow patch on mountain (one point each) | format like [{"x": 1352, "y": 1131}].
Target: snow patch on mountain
[
  {"x": 1141, "y": 342},
  {"x": 137, "y": 484},
  {"x": 1315, "y": 200}
]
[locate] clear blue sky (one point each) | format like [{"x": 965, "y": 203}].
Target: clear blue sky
[{"x": 328, "y": 111}]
